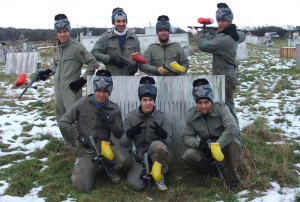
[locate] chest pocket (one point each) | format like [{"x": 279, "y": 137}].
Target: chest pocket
[{"x": 218, "y": 128}]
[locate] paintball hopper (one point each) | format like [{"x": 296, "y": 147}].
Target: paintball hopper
[
  {"x": 216, "y": 151},
  {"x": 106, "y": 150},
  {"x": 205, "y": 21},
  {"x": 21, "y": 80},
  {"x": 177, "y": 67},
  {"x": 138, "y": 58},
  {"x": 156, "y": 171}
]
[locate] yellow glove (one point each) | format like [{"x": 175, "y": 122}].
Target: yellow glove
[
  {"x": 156, "y": 171},
  {"x": 106, "y": 150},
  {"x": 162, "y": 71},
  {"x": 177, "y": 67},
  {"x": 216, "y": 151}
]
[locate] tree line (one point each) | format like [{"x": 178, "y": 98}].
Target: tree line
[{"x": 8, "y": 34}]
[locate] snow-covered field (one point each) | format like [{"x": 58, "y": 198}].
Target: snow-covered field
[{"x": 258, "y": 77}]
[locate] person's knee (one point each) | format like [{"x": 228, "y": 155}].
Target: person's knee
[{"x": 81, "y": 185}]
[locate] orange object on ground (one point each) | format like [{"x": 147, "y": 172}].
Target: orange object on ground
[{"x": 21, "y": 80}]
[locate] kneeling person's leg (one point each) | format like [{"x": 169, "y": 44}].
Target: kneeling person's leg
[
  {"x": 158, "y": 151},
  {"x": 198, "y": 161},
  {"x": 84, "y": 173}
]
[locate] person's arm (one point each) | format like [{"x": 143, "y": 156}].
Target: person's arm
[
  {"x": 99, "y": 50},
  {"x": 242, "y": 36},
  {"x": 117, "y": 127},
  {"x": 214, "y": 46},
  {"x": 183, "y": 60},
  {"x": 231, "y": 130},
  {"x": 125, "y": 141},
  {"x": 149, "y": 67},
  {"x": 167, "y": 127},
  {"x": 188, "y": 136},
  {"x": 65, "y": 124},
  {"x": 87, "y": 58}
]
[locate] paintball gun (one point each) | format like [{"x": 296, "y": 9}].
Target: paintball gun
[
  {"x": 99, "y": 156},
  {"x": 22, "y": 80},
  {"x": 138, "y": 59},
  {"x": 174, "y": 68},
  {"x": 204, "y": 22},
  {"x": 216, "y": 159},
  {"x": 145, "y": 161}
]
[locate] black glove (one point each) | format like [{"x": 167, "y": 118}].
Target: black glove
[
  {"x": 137, "y": 129},
  {"x": 76, "y": 85},
  {"x": 159, "y": 131},
  {"x": 203, "y": 146},
  {"x": 133, "y": 69},
  {"x": 116, "y": 61},
  {"x": 106, "y": 117},
  {"x": 44, "y": 75},
  {"x": 84, "y": 141}
]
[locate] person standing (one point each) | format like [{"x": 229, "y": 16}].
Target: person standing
[
  {"x": 223, "y": 48},
  {"x": 68, "y": 58},
  {"x": 115, "y": 43},
  {"x": 164, "y": 50}
]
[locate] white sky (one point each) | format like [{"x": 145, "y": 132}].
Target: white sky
[{"x": 40, "y": 14}]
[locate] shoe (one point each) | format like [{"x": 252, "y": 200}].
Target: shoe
[
  {"x": 161, "y": 184},
  {"x": 115, "y": 178},
  {"x": 232, "y": 187}
]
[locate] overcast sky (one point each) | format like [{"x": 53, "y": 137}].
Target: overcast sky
[{"x": 37, "y": 14}]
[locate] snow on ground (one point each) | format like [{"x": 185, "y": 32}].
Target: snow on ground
[{"x": 12, "y": 117}]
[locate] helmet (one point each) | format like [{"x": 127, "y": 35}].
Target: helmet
[
  {"x": 118, "y": 12},
  {"x": 61, "y": 21},
  {"x": 202, "y": 89},
  {"x": 103, "y": 80},
  {"x": 147, "y": 88},
  {"x": 224, "y": 12},
  {"x": 163, "y": 22}
]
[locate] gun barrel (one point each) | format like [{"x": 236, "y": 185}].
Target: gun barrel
[
  {"x": 36, "y": 76},
  {"x": 126, "y": 60},
  {"x": 204, "y": 27},
  {"x": 170, "y": 69},
  {"x": 99, "y": 157}
]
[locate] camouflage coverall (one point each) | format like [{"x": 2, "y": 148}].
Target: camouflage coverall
[
  {"x": 224, "y": 48},
  {"x": 219, "y": 127},
  {"x": 84, "y": 112},
  {"x": 68, "y": 60},
  {"x": 158, "y": 54},
  {"x": 108, "y": 45},
  {"x": 146, "y": 141}
]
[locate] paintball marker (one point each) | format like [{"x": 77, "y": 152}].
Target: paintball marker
[
  {"x": 99, "y": 156},
  {"x": 204, "y": 22},
  {"x": 145, "y": 161},
  {"x": 213, "y": 157},
  {"x": 138, "y": 59}
]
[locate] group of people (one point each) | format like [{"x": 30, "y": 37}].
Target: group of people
[{"x": 147, "y": 127}]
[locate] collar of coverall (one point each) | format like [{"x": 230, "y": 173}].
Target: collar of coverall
[
  {"x": 65, "y": 44},
  {"x": 142, "y": 113},
  {"x": 210, "y": 113},
  {"x": 169, "y": 42}
]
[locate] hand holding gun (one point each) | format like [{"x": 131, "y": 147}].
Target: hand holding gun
[
  {"x": 99, "y": 156},
  {"x": 204, "y": 22},
  {"x": 138, "y": 59},
  {"x": 145, "y": 162},
  {"x": 213, "y": 152}
]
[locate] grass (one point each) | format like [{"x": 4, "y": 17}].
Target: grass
[{"x": 264, "y": 159}]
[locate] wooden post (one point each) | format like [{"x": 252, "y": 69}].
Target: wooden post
[
  {"x": 298, "y": 56},
  {"x": 174, "y": 99},
  {"x": 288, "y": 52}
]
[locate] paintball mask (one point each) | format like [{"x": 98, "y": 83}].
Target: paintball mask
[
  {"x": 163, "y": 22},
  {"x": 202, "y": 89},
  {"x": 147, "y": 88},
  {"x": 224, "y": 12},
  {"x": 61, "y": 21},
  {"x": 118, "y": 12},
  {"x": 103, "y": 80}
]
